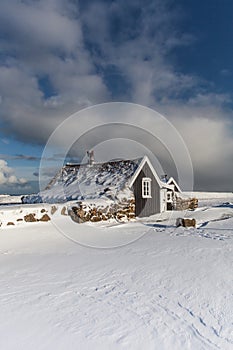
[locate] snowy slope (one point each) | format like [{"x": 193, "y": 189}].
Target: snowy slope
[
  {"x": 105, "y": 180},
  {"x": 170, "y": 289}
]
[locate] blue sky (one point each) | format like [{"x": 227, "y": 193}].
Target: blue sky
[
  {"x": 59, "y": 56},
  {"x": 210, "y": 22}
]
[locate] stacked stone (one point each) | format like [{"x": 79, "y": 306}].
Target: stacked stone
[
  {"x": 122, "y": 211},
  {"x": 184, "y": 204}
]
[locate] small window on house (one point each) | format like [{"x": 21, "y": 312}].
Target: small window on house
[
  {"x": 169, "y": 196},
  {"x": 146, "y": 187}
]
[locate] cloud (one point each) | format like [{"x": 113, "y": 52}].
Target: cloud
[
  {"x": 76, "y": 48},
  {"x": 44, "y": 39},
  {"x": 98, "y": 51},
  {"x": 19, "y": 157},
  {"x": 7, "y": 176},
  {"x": 138, "y": 41},
  {"x": 5, "y": 141}
]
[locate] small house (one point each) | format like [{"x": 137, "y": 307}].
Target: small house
[{"x": 118, "y": 181}]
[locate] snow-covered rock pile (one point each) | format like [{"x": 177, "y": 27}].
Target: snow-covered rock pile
[
  {"x": 19, "y": 215},
  {"x": 78, "y": 182},
  {"x": 94, "y": 212}
]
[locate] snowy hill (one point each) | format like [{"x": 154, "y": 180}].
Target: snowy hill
[{"x": 75, "y": 181}]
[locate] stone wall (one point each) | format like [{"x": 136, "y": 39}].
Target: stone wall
[
  {"x": 122, "y": 211},
  {"x": 184, "y": 204}
]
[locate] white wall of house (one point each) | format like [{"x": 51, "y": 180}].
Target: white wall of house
[{"x": 163, "y": 200}]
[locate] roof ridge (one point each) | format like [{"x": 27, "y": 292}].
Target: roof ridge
[{"x": 101, "y": 163}]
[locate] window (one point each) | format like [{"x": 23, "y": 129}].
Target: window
[
  {"x": 146, "y": 187},
  {"x": 169, "y": 196}
]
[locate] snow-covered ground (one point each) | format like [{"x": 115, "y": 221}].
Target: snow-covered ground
[
  {"x": 7, "y": 199},
  {"x": 210, "y": 198},
  {"x": 171, "y": 288}
]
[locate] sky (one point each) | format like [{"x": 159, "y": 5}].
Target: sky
[{"x": 60, "y": 56}]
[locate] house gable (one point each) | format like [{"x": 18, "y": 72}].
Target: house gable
[
  {"x": 139, "y": 169},
  {"x": 146, "y": 203},
  {"x": 173, "y": 182}
]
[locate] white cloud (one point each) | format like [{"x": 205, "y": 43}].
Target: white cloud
[
  {"x": 74, "y": 47},
  {"x": 140, "y": 54},
  {"x": 7, "y": 176},
  {"x": 45, "y": 39}
]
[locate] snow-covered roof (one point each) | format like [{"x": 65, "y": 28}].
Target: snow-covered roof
[
  {"x": 84, "y": 181},
  {"x": 173, "y": 182},
  {"x": 110, "y": 180}
]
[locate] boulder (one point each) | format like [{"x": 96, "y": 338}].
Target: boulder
[
  {"x": 185, "y": 222},
  {"x": 53, "y": 209},
  {"x": 63, "y": 211},
  {"x": 95, "y": 218},
  {"x": 45, "y": 217},
  {"x": 30, "y": 218}
]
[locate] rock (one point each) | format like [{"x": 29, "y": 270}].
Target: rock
[
  {"x": 104, "y": 217},
  {"x": 123, "y": 211},
  {"x": 184, "y": 204},
  {"x": 75, "y": 217},
  {"x": 45, "y": 217},
  {"x": 95, "y": 218},
  {"x": 43, "y": 210},
  {"x": 193, "y": 203},
  {"x": 185, "y": 222},
  {"x": 30, "y": 218},
  {"x": 19, "y": 220},
  {"x": 53, "y": 209},
  {"x": 81, "y": 213},
  {"x": 10, "y": 223},
  {"x": 63, "y": 211}
]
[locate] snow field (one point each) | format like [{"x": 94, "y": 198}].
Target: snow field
[{"x": 171, "y": 288}]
